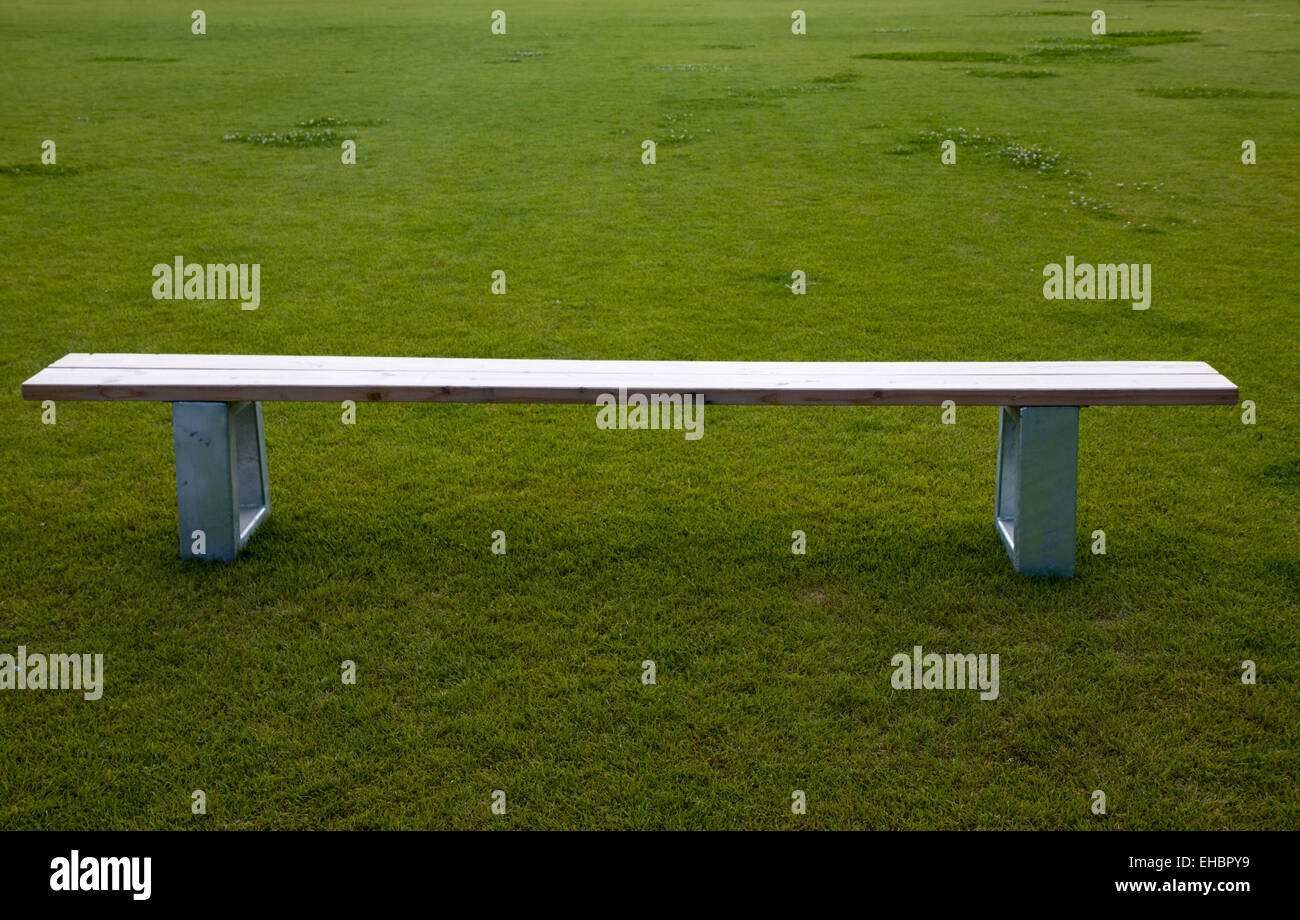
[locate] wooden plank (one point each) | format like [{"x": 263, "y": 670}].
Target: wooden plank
[
  {"x": 737, "y": 383},
  {"x": 677, "y": 380},
  {"x": 604, "y": 367}
]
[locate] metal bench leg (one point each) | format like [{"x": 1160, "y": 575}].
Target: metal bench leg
[
  {"x": 1038, "y": 475},
  {"x": 222, "y": 489}
]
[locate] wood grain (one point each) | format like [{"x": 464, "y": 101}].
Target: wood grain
[{"x": 297, "y": 378}]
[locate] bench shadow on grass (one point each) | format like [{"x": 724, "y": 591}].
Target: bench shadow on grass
[
  {"x": 956, "y": 556},
  {"x": 854, "y": 557}
]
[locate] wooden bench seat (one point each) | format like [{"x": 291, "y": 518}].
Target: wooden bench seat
[
  {"x": 270, "y": 378},
  {"x": 223, "y": 488}
]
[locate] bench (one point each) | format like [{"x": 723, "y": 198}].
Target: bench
[{"x": 223, "y": 490}]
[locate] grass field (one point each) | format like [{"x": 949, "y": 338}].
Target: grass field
[{"x": 522, "y": 672}]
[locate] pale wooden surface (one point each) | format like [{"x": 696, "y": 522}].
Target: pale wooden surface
[{"x": 225, "y": 378}]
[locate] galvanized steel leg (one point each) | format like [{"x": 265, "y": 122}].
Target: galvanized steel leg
[
  {"x": 1037, "y": 489},
  {"x": 222, "y": 488}
]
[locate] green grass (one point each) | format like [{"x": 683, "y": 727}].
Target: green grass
[
  {"x": 38, "y": 170},
  {"x": 326, "y": 137},
  {"x": 1011, "y": 74},
  {"x": 1013, "y": 152},
  {"x": 521, "y": 672},
  {"x": 1212, "y": 92},
  {"x": 993, "y": 57}
]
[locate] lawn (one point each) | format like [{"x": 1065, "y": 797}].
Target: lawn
[{"x": 522, "y": 671}]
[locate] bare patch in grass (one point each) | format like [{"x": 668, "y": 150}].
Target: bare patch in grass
[{"x": 815, "y": 596}]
